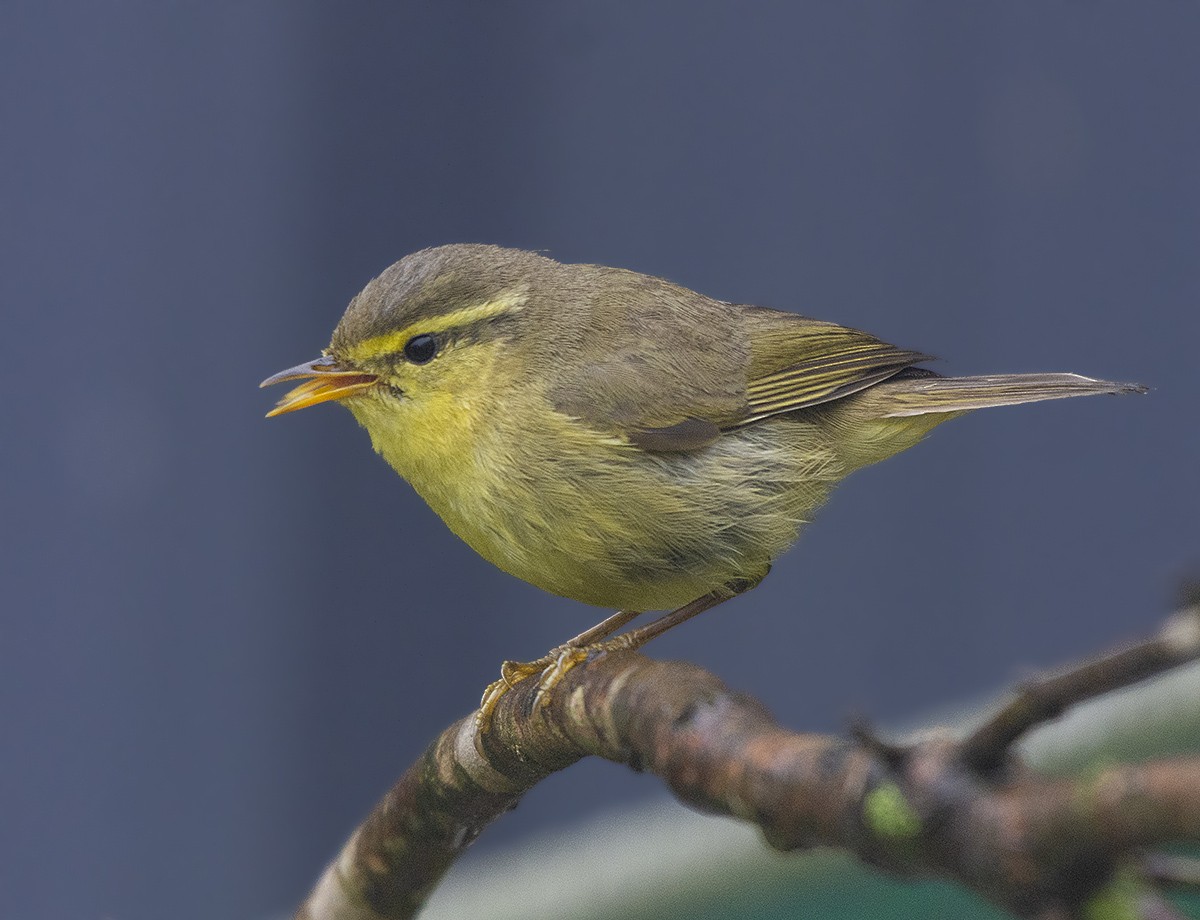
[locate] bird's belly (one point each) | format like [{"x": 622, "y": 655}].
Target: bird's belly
[
  {"x": 568, "y": 562},
  {"x": 620, "y": 528},
  {"x": 583, "y": 515}
]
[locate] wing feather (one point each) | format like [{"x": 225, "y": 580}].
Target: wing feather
[
  {"x": 669, "y": 369},
  {"x": 798, "y": 362}
]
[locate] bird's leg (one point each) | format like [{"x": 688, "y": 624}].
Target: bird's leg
[
  {"x": 514, "y": 671},
  {"x": 554, "y": 666},
  {"x": 636, "y": 638},
  {"x": 633, "y": 640},
  {"x": 601, "y": 630}
]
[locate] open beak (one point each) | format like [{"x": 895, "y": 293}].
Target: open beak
[{"x": 323, "y": 380}]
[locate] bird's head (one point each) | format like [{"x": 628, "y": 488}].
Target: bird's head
[{"x": 422, "y": 338}]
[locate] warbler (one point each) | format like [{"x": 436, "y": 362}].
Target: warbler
[{"x": 615, "y": 438}]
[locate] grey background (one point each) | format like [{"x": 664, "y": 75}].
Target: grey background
[{"x": 223, "y": 637}]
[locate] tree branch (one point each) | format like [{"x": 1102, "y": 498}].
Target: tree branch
[
  {"x": 1038, "y": 846},
  {"x": 1039, "y": 701}
]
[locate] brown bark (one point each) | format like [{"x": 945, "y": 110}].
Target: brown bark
[{"x": 965, "y": 809}]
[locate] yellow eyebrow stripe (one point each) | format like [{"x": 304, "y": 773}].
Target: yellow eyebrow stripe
[{"x": 391, "y": 342}]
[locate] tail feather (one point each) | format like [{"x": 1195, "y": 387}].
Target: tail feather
[{"x": 909, "y": 396}]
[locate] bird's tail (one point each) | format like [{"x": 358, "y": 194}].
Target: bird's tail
[{"x": 924, "y": 395}]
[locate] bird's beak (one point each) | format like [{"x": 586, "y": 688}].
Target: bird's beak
[{"x": 324, "y": 380}]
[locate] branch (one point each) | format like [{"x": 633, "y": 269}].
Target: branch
[
  {"x": 1039, "y": 701},
  {"x": 1038, "y": 846}
]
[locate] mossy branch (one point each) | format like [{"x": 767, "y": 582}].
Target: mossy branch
[{"x": 966, "y": 809}]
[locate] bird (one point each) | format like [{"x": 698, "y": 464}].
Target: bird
[{"x": 617, "y": 439}]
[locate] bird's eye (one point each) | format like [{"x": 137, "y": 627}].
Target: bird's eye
[{"x": 421, "y": 349}]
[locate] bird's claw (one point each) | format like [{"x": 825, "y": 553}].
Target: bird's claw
[
  {"x": 552, "y": 668},
  {"x": 563, "y": 660}
]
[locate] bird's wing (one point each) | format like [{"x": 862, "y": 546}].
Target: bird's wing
[
  {"x": 682, "y": 369},
  {"x": 796, "y": 362}
]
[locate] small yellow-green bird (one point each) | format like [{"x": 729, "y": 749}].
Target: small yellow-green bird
[{"x": 618, "y": 439}]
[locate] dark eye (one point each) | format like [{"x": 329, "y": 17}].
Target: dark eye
[{"x": 421, "y": 349}]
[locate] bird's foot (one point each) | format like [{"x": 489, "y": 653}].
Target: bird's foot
[
  {"x": 511, "y": 674},
  {"x": 551, "y": 668}
]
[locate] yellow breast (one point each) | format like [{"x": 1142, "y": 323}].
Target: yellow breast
[{"x": 584, "y": 515}]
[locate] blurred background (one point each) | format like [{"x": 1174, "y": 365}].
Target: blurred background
[{"x": 223, "y": 638}]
